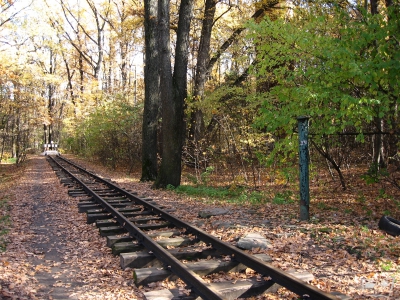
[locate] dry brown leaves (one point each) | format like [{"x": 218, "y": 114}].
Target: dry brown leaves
[
  {"x": 82, "y": 267},
  {"x": 341, "y": 245}
]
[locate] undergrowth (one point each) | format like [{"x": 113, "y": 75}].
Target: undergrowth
[
  {"x": 9, "y": 174},
  {"x": 11, "y": 160},
  {"x": 234, "y": 194},
  {"x": 4, "y": 223}
]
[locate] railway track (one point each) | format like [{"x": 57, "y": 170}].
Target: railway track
[{"x": 157, "y": 245}]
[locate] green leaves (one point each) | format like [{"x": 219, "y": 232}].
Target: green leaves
[
  {"x": 342, "y": 71},
  {"x": 112, "y": 133}
]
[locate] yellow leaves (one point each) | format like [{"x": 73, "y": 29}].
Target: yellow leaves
[
  {"x": 42, "y": 268},
  {"x": 61, "y": 284},
  {"x": 5, "y": 263},
  {"x": 249, "y": 272},
  {"x": 9, "y": 2},
  {"x": 266, "y": 3},
  {"x": 280, "y": 181}
]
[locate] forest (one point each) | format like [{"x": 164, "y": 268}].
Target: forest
[
  {"x": 210, "y": 88},
  {"x": 197, "y": 104}
]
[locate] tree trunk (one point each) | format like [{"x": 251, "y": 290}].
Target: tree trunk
[
  {"x": 173, "y": 93},
  {"x": 100, "y": 24},
  {"x": 165, "y": 92},
  {"x": 205, "y": 64},
  {"x": 235, "y": 35},
  {"x": 393, "y": 15},
  {"x": 374, "y": 7},
  {"x": 330, "y": 159},
  {"x": 203, "y": 57},
  {"x": 93, "y": 59},
  {"x": 5, "y": 123},
  {"x": 152, "y": 94},
  {"x": 18, "y": 137},
  {"x": 378, "y": 151},
  {"x": 378, "y": 145},
  {"x": 124, "y": 72}
]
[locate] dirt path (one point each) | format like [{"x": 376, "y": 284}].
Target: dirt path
[
  {"x": 50, "y": 245},
  {"x": 53, "y": 254}
]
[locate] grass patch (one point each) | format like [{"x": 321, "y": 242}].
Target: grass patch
[
  {"x": 386, "y": 266},
  {"x": 11, "y": 160},
  {"x": 234, "y": 194},
  {"x": 10, "y": 173},
  {"x": 285, "y": 197},
  {"x": 5, "y": 223},
  {"x": 229, "y": 194}
]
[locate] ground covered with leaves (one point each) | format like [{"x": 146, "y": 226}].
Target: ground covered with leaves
[{"x": 49, "y": 252}]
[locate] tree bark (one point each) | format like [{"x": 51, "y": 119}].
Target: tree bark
[
  {"x": 165, "y": 87},
  {"x": 173, "y": 93},
  {"x": 374, "y": 7},
  {"x": 203, "y": 57},
  {"x": 152, "y": 93}
]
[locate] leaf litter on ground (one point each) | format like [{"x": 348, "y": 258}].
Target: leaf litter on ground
[{"x": 341, "y": 245}]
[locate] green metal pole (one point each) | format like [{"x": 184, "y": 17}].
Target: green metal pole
[{"x": 304, "y": 168}]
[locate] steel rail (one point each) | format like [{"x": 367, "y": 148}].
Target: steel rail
[
  {"x": 278, "y": 276},
  {"x": 193, "y": 280}
]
